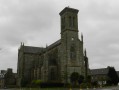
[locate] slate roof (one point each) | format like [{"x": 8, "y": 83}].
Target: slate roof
[
  {"x": 31, "y": 49},
  {"x": 101, "y": 71},
  {"x": 34, "y": 50},
  {"x": 54, "y": 44}
]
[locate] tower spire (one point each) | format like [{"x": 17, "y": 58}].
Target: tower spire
[
  {"x": 85, "y": 53},
  {"x": 23, "y": 43},
  {"x": 82, "y": 37}
]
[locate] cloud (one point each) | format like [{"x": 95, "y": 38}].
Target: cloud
[
  {"x": 37, "y": 22},
  {"x": 100, "y": 27},
  {"x": 20, "y": 21}
]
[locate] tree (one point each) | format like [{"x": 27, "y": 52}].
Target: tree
[
  {"x": 113, "y": 77},
  {"x": 80, "y": 79},
  {"x": 74, "y": 77}
]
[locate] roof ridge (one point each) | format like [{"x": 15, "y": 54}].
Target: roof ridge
[
  {"x": 98, "y": 68},
  {"x": 34, "y": 46},
  {"x": 58, "y": 41}
]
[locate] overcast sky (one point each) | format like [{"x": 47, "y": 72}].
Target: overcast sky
[{"x": 37, "y": 23}]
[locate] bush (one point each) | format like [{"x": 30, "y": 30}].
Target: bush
[
  {"x": 81, "y": 79},
  {"x": 51, "y": 84},
  {"x": 35, "y": 83},
  {"x": 95, "y": 84},
  {"x": 85, "y": 85},
  {"x": 74, "y": 78}
]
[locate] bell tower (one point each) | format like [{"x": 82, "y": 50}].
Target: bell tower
[
  {"x": 69, "y": 19},
  {"x": 72, "y": 59},
  {"x": 69, "y": 33},
  {"x": 69, "y": 25}
]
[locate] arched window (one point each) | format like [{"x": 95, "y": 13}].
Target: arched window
[{"x": 72, "y": 53}]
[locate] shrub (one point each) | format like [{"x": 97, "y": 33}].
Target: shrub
[
  {"x": 51, "y": 84},
  {"x": 36, "y": 83}
]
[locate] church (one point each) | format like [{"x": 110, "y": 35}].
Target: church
[{"x": 56, "y": 62}]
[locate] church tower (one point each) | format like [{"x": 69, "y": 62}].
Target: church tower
[
  {"x": 72, "y": 59},
  {"x": 69, "y": 21}
]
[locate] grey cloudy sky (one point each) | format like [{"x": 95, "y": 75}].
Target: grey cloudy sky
[{"x": 37, "y": 23}]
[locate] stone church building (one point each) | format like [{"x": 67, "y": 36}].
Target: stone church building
[{"x": 56, "y": 62}]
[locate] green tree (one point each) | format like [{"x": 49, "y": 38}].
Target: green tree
[
  {"x": 74, "y": 78},
  {"x": 80, "y": 79},
  {"x": 113, "y": 77}
]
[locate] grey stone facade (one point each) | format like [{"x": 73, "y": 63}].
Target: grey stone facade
[{"x": 56, "y": 62}]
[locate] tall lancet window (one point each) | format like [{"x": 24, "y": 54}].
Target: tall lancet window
[
  {"x": 63, "y": 22},
  {"x": 73, "y": 23},
  {"x": 72, "y": 52},
  {"x": 70, "y": 22}
]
